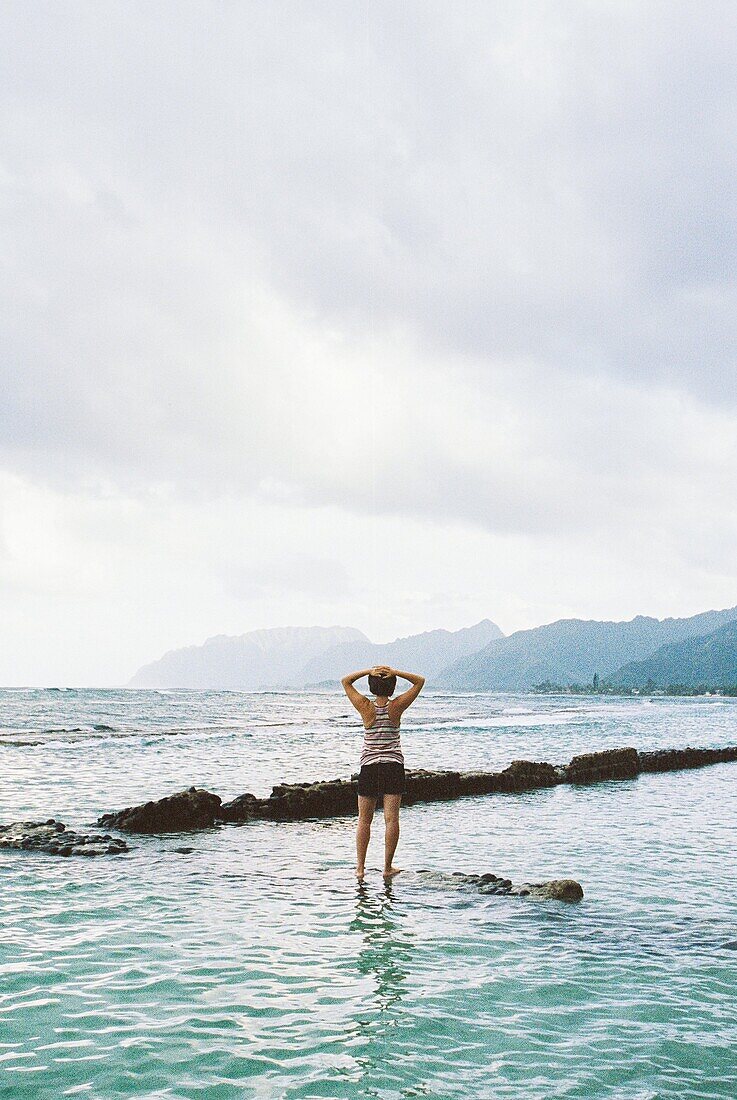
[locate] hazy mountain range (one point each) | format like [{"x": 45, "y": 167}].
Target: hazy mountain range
[
  {"x": 302, "y": 656},
  {"x": 692, "y": 651}
]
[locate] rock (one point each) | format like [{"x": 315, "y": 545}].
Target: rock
[
  {"x": 667, "y": 760},
  {"x": 295, "y": 802},
  {"x": 298, "y": 801},
  {"x": 480, "y": 782},
  {"x": 524, "y": 775},
  {"x": 178, "y": 813},
  {"x": 427, "y": 786},
  {"x": 197, "y": 809},
  {"x": 242, "y": 808},
  {"x": 521, "y": 775},
  {"x": 53, "y": 837},
  {"x": 557, "y": 889},
  {"x": 592, "y": 767}
]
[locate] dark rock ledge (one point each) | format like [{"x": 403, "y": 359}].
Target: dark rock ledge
[
  {"x": 194, "y": 808},
  {"x": 197, "y": 809},
  {"x": 53, "y": 837},
  {"x": 178, "y": 813}
]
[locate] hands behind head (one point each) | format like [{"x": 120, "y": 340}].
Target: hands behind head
[{"x": 382, "y": 670}]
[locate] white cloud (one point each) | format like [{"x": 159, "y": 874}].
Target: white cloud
[{"x": 299, "y": 297}]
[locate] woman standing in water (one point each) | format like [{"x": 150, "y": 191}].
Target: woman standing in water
[{"x": 382, "y": 760}]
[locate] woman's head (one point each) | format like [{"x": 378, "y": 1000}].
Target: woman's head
[{"x": 382, "y": 685}]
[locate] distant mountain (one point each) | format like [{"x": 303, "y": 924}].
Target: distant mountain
[
  {"x": 248, "y": 662},
  {"x": 571, "y": 651},
  {"x": 292, "y": 657},
  {"x": 425, "y": 653},
  {"x": 709, "y": 660}
]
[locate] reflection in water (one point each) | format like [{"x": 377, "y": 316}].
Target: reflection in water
[{"x": 387, "y": 951}]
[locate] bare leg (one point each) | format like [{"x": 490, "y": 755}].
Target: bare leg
[
  {"x": 366, "y": 807},
  {"x": 391, "y": 839}
]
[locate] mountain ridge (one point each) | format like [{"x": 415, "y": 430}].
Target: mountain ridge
[
  {"x": 474, "y": 658},
  {"x": 709, "y": 659},
  {"x": 572, "y": 650},
  {"x": 291, "y": 657}
]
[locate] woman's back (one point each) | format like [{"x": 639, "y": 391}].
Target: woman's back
[{"x": 381, "y": 740}]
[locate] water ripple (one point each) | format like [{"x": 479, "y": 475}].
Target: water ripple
[{"x": 257, "y": 967}]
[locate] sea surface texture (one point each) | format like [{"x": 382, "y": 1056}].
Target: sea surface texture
[{"x": 255, "y": 965}]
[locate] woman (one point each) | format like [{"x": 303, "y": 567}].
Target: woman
[{"x": 382, "y": 760}]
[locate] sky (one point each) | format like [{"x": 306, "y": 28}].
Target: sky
[{"x": 387, "y": 315}]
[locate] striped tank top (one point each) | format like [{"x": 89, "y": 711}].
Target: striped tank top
[{"x": 381, "y": 742}]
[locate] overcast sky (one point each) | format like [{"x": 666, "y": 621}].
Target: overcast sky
[{"x": 390, "y": 315}]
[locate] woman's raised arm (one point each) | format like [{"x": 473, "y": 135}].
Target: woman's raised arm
[
  {"x": 353, "y": 676},
  {"x": 361, "y": 702},
  {"x": 403, "y": 701}
]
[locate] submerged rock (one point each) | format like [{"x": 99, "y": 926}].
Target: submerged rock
[
  {"x": 179, "y": 813},
  {"x": 559, "y": 889},
  {"x": 53, "y": 837}
]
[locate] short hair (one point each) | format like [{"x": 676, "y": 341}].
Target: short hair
[{"x": 382, "y": 685}]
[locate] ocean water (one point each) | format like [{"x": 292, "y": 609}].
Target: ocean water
[{"x": 256, "y": 966}]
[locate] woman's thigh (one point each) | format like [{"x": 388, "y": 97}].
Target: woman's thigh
[
  {"x": 392, "y": 803},
  {"x": 366, "y": 807}
]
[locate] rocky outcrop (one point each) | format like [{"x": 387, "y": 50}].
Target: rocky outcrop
[
  {"x": 429, "y": 786},
  {"x": 669, "y": 760},
  {"x": 197, "y": 809},
  {"x": 54, "y": 838},
  {"x": 525, "y": 775},
  {"x": 242, "y": 808},
  {"x": 593, "y": 767},
  {"x": 178, "y": 813},
  {"x": 295, "y": 802},
  {"x": 559, "y": 889},
  {"x": 329, "y": 798}
]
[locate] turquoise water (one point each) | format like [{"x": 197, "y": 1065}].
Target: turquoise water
[{"x": 256, "y": 966}]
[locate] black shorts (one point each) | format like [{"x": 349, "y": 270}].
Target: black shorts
[{"x": 385, "y": 777}]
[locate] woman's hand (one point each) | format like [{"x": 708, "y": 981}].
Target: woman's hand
[{"x": 382, "y": 670}]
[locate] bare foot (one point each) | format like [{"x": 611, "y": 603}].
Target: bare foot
[
  {"x": 359, "y": 872},
  {"x": 392, "y": 871}
]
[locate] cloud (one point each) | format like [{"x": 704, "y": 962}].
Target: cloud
[
  {"x": 462, "y": 271},
  {"x": 323, "y": 578}
]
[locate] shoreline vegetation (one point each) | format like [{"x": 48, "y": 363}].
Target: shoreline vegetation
[{"x": 604, "y": 687}]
